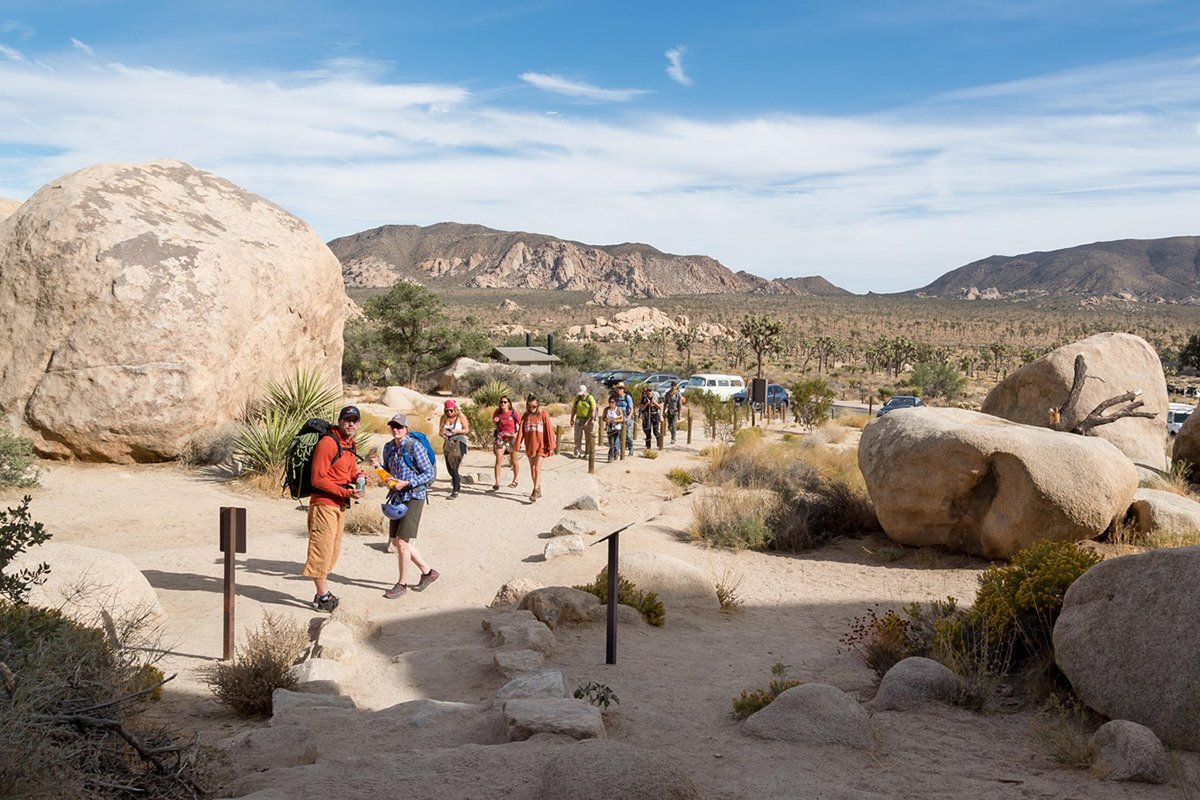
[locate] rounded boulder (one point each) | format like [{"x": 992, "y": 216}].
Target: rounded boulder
[{"x": 143, "y": 305}]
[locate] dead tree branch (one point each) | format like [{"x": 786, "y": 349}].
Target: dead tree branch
[{"x": 1063, "y": 418}]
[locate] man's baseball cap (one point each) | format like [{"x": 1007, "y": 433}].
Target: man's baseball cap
[
  {"x": 582, "y": 389},
  {"x": 349, "y": 412},
  {"x": 398, "y": 421}
]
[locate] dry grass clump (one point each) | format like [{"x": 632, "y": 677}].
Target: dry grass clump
[
  {"x": 259, "y": 667},
  {"x": 819, "y": 495},
  {"x": 854, "y": 420},
  {"x": 365, "y": 519},
  {"x": 1177, "y": 480},
  {"x": 834, "y": 432},
  {"x": 728, "y": 586},
  {"x": 1157, "y": 539},
  {"x": 680, "y": 477},
  {"x": 1063, "y": 730}
]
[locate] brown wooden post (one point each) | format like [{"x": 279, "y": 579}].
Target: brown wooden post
[
  {"x": 689, "y": 426},
  {"x": 232, "y": 540},
  {"x": 662, "y": 427},
  {"x": 591, "y": 451},
  {"x": 559, "y": 430},
  {"x": 870, "y": 405}
]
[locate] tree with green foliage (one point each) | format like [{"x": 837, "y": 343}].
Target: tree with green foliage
[
  {"x": 812, "y": 401},
  {"x": 684, "y": 342},
  {"x": 411, "y": 323},
  {"x": 1189, "y": 356},
  {"x": 936, "y": 379},
  {"x": 18, "y": 532},
  {"x": 763, "y": 334}
]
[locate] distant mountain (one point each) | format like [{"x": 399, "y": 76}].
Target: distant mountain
[
  {"x": 1143, "y": 269},
  {"x": 452, "y": 254}
]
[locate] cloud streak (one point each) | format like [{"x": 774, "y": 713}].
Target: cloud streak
[
  {"x": 675, "y": 65},
  {"x": 586, "y": 91},
  {"x": 884, "y": 202},
  {"x": 81, "y": 47}
]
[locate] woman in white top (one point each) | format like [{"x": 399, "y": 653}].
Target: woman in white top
[{"x": 454, "y": 429}]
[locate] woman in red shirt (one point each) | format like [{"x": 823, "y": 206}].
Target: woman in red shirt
[
  {"x": 506, "y": 422},
  {"x": 537, "y": 434}
]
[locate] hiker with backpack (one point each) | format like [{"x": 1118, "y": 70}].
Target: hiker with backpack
[
  {"x": 454, "y": 429},
  {"x": 408, "y": 458},
  {"x": 332, "y": 474},
  {"x": 673, "y": 403},
  {"x": 536, "y": 432},
  {"x": 614, "y": 422},
  {"x": 625, "y": 403},
  {"x": 583, "y": 415},
  {"x": 504, "y": 440},
  {"x": 651, "y": 413}
]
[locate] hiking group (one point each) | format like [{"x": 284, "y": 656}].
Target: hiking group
[{"x": 323, "y": 464}]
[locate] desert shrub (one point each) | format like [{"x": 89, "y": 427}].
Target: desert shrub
[
  {"x": 598, "y": 694},
  {"x": 752, "y": 700},
  {"x": 728, "y": 586},
  {"x": 365, "y": 519},
  {"x": 680, "y": 477},
  {"x": 489, "y": 393},
  {"x": 71, "y": 715},
  {"x": 937, "y": 379},
  {"x": 883, "y": 640},
  {"x": 812, "y": 401},
  {"x": 647, "y": 603},
  {"x": 561, "y": 385},
  {"x": 1063, "y": 730},
  {"x": 479, "y": 418},
  {"x": 512, "y": 377},
  {"x": 18, "y": 532},
  {"x": 834, "y": 432},
  {"x": 648, "y": 453},
  {"x": 259, "y": 667},
  {"x": 210, "y": 447},
  {"x": 854, "y": 420},
  {"x": 1168, "y": 538},
  {"x": 734, "y": 518},
  {"x": 718, "y": 413},
  {"x": 17, "y": 463}
]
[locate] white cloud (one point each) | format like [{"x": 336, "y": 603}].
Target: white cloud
[
  {"x": 83, "y": 48},
  {"x": 11, "y": 53},
  {"x": 675, "y": 65},
  {"x": 560, "y": 85},
  {"x": 884, "y": 202}
]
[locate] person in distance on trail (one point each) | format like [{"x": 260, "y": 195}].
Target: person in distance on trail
[
  {"x": 504, "y": 439},
  {"x": 412, "y": 471},
  {"x": 673, "y": 402},
  {"x": 583, "y": 417},
  {"x": 651, "y": 414},
  {"x": 537, "y": 434},
  {"x": 454, "y": 428},
  {"x": 625, "y": 403},
  {"x": 334, "y": 468},
  {"x": 614, "y": 421}
]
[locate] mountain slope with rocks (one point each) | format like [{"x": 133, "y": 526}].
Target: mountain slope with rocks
[
  {"x": 1130, "y": 269},
  {"x": 453, "y": 254}
]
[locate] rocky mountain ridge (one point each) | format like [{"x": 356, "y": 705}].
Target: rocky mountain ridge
[
  {"x": 450, "y": 253},
  {"x": 1149, "y": 270}
]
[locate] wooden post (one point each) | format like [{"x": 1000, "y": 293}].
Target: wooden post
[
  {"x": 689, "y": 426},
  {"x": 870, "y": 405},
  {"x": 559, "y": 430},
  {"x": 591, "y": 451},
  {"x": 662, "y": 427},
  {"x": 232, "y": 540}
]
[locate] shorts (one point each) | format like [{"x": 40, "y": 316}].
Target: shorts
[
  {"x": 507, "y": 444},
  {"x": 326, "y": 526},
  {"x": 406, "y": 527}
]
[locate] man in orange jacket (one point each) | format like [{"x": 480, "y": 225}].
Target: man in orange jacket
[{"x": 334, "y": 468}]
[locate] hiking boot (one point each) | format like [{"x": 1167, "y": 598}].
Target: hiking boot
[
  {"x": 396, "y": 591},
  {"x": 327, "y": 602},
  {"x": 453, "y": 495},
  {"x": 426, "y": 579}
]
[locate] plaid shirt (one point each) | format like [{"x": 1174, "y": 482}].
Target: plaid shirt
[{"x": 395, "y": 463}]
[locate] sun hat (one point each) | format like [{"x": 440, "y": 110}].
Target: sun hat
[
  {"x": 400, "y": 421},
  {"x": 449, "y": 404},
  {"x": 620, "y": 385},
  {"x": 582, "y": 389},
  {"x": 348, "y": 412}
]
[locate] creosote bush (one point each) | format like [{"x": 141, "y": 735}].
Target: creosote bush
[
  {"x": 647, "y": 603},
  {"x": 17, "y": 469},
  {"x": 259, "y": 667},
  {"x": 752, "y": 700}
]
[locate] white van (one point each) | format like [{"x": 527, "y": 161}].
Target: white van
[
  {"x": 1176, "y": 414},
  {"x": 723, "y": 386}
]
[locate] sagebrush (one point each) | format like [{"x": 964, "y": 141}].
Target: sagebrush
[{"x": 259, "y": 667}]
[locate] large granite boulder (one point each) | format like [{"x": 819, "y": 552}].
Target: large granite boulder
[
  {"x": 914, "y": 682},
  {"x": 980, "y": 484},
  {"x": 1155, "y": 510},
  {"x": 1117, "y": 363},
  {"x": 1186, "y": 449},
  {"x": 1126, "y": 639},
  {"x": 7, "y": 207},
  {"x": 143, "y": 305}
]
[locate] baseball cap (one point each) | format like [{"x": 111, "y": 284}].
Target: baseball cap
[
  {"x": 449, "y": 404},
  {"x": 582, "y": 389},
  {"x": 400, "y": 421},
  {"x": 348, "y": 412}
]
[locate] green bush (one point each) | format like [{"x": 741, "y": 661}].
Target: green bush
[
  {"x": 258, "y": 668},
  {"x": 883, "y": 640},
  {"x": 17, "y": 463},
  {"x": 812, "y": 401},
  {"x": 18, "y": 532},
  {"x": 936, "y": 379},
  {"x": 479, "y": 418},
  {"x": 647, "y": 603},
  {"x": 680, "y": 477},
  {"x": 752, "y": 700}
]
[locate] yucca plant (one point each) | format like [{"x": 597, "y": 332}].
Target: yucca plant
[
  {"x": 490, "y": 393},
  {"x": 305, "y": 395},
  {"x": 261, "y": 444}
]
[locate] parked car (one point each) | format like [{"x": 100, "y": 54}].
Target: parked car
[
  {"x": 621, "y": 376},
  {"x": 899, "y": 401},
  {"x": 777, "y": 397},
  {"x": 661, "y": 381},
  {"x": 1177, "y": 414},
  {"x": 723, "y": 386}
]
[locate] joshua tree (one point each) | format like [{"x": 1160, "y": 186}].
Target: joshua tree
[{"x": 763, "y": 334}]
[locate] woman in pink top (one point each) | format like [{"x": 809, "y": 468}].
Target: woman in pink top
[
  {"x": 536, "y": 432},
  {"x": 505, "y": 440}
]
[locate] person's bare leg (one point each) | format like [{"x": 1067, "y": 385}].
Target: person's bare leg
[
  {"x": 516, "y": 467},
  {"x": 499, "y": 451},
  {"x": 535, "y": 472},
  {"x": 406, "y": 551},
  {"x": 322, "y": 585}
]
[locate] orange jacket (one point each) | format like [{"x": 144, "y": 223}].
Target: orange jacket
[
  {"x": 537, "y": 433},
  {"x": 331, "y": 479}
]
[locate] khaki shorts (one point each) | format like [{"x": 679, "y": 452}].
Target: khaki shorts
[
  {"x": 407, "y": 526},
  {"x": 326, "y": 525}
]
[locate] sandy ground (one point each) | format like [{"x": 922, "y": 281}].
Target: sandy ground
[{"x": 675, "y": 683}]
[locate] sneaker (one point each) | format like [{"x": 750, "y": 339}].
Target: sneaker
[
  {"x": 395, "y": 591},
  {"x": 327, "y": 602},
  {"x": 453, "y": 495},
  {"x": 426, "y": 579}
]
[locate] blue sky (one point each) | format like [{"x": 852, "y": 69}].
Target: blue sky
[{"x": 878, "y": 144}]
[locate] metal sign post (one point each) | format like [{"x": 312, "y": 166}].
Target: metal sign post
[
  {"x": 232, "y": 541},
  {"x": 610, "y": 646}
]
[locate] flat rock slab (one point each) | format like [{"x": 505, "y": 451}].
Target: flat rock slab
[
  {"x": 546, "y": 683},
  {"x": 284, "y": 701},
  {"x": 519, "y": 630},
  {"x": 572, "y": 545},
  {"x": 574, "y": 718},
  {"x": 560, "y": 605},
  {"x": 511, "y": 663},
  {"x": 572, "y": 526},
  {"x": 598, "y": 769},
  {"x": 337, "y": 641},
  {"x": 322, "y": 676}
]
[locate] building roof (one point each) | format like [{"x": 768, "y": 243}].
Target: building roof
[{"x": 525, "y": 355}]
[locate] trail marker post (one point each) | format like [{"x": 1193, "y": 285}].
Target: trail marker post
[
  {"x": 232, "y": 541},
  {"x": 610, "y": 639}
]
